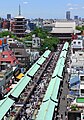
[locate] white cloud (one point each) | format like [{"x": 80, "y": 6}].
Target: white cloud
[
  {"x": 71, "y": 8},
  {"x": 75, "y": 5},
  {"x": 25, "y": 2},
  {"x": 76, "y": 8},
  {"x": 69, "y": 4},
  {"x": 82, "y": 7}
]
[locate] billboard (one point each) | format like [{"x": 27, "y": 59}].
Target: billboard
[{"x": 0, "y": 42}]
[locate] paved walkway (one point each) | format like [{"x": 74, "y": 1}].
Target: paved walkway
[{"x": 63, "y": 99}]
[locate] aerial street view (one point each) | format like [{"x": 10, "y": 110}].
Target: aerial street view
[{"x": 41, "y": 60}]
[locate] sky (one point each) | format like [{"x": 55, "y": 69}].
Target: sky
[{"x": 42, "y": 8}]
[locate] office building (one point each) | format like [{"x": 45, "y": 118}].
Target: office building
[
  {"x": 68, "y": 15},
  {"x": 8, "y": 16},
  {"x": 20, "y": 53},
  {"x": 75, "y": 17}
]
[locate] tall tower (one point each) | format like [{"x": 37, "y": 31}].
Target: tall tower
[
  {"x": 19, "y": 10},
  {"x": 68, "y": 15},
  {"x": 19, "y": 25}
]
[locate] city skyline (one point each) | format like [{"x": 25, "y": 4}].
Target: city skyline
[{"x": 42, "y": 9}]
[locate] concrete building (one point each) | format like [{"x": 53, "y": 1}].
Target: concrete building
[
  {"x": 12, "y": 22},
  {"x": 6, "y": 24},
  {"x": 36, "y": 42},
  {"x": 6, "y": 74},
  {"x": 8, "y": 16},
  {"x": 20, "y": 53},
  {"x": 78, "y": 60},
  {"x": 68, "y": 15},
  {"x": 81, "y": 76},
  {"x": 6, "y": 55},
  {"x": 76, "y": 17},
  {"x": 77, "y": 44}
]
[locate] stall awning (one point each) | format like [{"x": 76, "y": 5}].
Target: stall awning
[
  {"x": 4, "y": 107},
  {"x": 46, "y": 53},
  {"x": 49, "y": 90},
  {"x": 41, "y": 61},
  {"x": 55, "y": 89},
  {"x": 18, "y": 89},
  {"x": 46, "y": 110},
  {"x": 33, "y": 70}
]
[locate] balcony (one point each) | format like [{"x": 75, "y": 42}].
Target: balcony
[
  {"x": 21, "y": 21},
  {"x": 19, "y": 29},
  {"x": 20, "y": 33},
  {"x": 19, "y": 25}
]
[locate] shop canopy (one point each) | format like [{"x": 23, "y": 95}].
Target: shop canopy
[
  {"x": 18, "y": 89},
  {"x": 60, "y": 71},
  {"x": 41, "y": 61},
  {"x": 55, "y": 89},
  {"x": 14, "y": 87},
  {"x": 46, "y": 110},
  {"x": 34, "y": 69},
  {"x": 4, "y": 106},
  {"x": 65, "y": 47},
  {"x": 46, "y": 53},
  {"x": 49, "y": 90}
]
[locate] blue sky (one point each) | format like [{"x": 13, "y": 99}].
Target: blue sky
[{"x": 42, "y": 8}]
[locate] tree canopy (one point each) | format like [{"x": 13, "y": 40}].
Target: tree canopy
[
  {"x": 80, "y": 28},
  {"x": 47, "y": 42}
]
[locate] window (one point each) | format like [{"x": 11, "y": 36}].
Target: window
[
  {"x": 79, "y": 42},
  {"x": 23, "y": 58},
  {"x": 74, "y": 42},
  {"x": 18, "y": 53},
  {"x": 5, "y": 56},
  {"x": 9, "y": 75},
  {"x": 82, "y": 83},
  {"x": 82, "y": 78},
  {"x": 82, "y": 92},
  {"x": 19, "y": 58},
  {"x": 1, "y": 76},
  {"x": 34, "y": 41},
  {"x": 80, "y": 54}
]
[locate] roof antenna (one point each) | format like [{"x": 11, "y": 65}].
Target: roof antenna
[{"x": 19, "y": 10}]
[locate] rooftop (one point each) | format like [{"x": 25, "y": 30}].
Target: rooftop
[{"x": 19, "y": 16}]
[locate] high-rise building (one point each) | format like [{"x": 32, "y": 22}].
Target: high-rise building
[
  {"x": 76, "y": 17},
  {"x": 68, "y": 15},
  {"x": 8, "y": 16}
]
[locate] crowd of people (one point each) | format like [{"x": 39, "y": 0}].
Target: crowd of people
[
  {"x": 34, "y": 92},
  {"x": 32, "y": 106}
]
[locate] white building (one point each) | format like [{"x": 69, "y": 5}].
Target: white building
[
  {"x": 77, "y": 44},
  {"x": 81, "y": 76},
  {"x": 78, "y": 60},
  {"x": 36, "y": 42}
]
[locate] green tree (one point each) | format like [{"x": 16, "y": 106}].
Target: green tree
[
  {"x": 49, "y": 43},
  {"x": 74, "y": 107}
]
